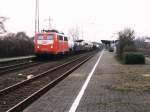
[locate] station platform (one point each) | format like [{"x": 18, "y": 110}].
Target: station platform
[
  {"x": 16, "y": 58},
  {"x": 98, "y": 96}
]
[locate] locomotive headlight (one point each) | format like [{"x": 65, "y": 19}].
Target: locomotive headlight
[
  {"x": 51, "y": 46},
  {"x": 38, "y": 47}
]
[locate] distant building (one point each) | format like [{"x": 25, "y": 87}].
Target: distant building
[
  {"x": 147, "y": 42},
  {"x": 109, "y": 43}
]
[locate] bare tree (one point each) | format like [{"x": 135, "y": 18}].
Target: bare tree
[
  {"x": 2, "y": 26},
  {"x": 126, "y": 38},
  {"x": 140, "y": 42},
  {"x": 74, "y": 33}
]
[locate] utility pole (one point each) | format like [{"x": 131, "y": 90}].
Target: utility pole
[
  {"x": 49, "y": 22},
  {"x": 37, "y": 29},
  {"x": 82, "y": 33}
]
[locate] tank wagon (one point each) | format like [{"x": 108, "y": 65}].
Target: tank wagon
[{"x": 82, "y": 45}]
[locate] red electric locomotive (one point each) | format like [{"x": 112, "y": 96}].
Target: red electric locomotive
[{"x": 51, "y": 42}]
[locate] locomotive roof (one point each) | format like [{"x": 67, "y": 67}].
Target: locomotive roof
[
  {"x": 53, "y": 30},
  {"x": 62, "y": 34},
  {"x": 50, "y": 32},
  {"x": 79, "y": 40}
]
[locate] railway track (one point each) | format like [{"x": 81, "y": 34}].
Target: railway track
[
  {"x": 20, "y": 75},
  {"x": 19, "y": 66},
  {"x": 16, "y": 97},
  {"x": 9, "y": 61},
  {"x": 10, "y": 66}
]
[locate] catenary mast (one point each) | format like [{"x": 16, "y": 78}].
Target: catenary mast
[{"x": 37, "y": 29}]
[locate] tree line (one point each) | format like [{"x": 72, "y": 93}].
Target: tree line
[
  {"x": 14, "y": 44},
  {"x": 18, "y": 44}
]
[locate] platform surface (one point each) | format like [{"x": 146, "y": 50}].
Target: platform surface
[{"x": 98, "y": 96}]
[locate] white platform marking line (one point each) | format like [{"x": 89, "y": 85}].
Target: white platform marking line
[{"x": 80, "y": 94}]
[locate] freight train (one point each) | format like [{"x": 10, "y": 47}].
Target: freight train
[{"x": 54, "y": 42}]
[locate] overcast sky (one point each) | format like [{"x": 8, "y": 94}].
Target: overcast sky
[{"x": 98, "y": 19}]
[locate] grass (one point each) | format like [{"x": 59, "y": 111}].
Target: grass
[
  {"x": 114, "y": 103},
  {"x": 132, "y": 78},
  {"x": 132, "y": 82},
  {"x": 120, "y": 104}
]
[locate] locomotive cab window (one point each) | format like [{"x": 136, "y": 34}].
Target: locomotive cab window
[
  {"x": 65, "y": 39},
  {"x": 60, "y": 37},
  {"x": 40, "y": 37},
  {"x": 49, "y": 37}
]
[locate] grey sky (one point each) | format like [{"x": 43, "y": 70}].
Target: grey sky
[{"x": 99, "y": 19}]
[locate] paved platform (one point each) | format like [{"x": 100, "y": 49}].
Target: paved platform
[
  {"x": 16, "y": 58},
  {"x": 98, "y": 97}
]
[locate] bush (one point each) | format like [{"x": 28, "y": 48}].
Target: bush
[
  {"x": 130, "y": 48},
  {"x": 133, "y": 58}
]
